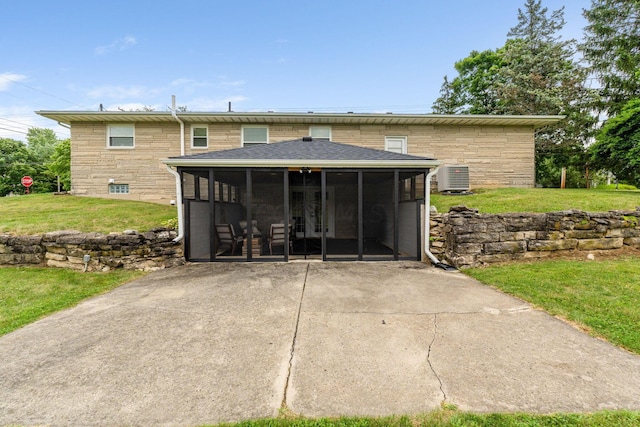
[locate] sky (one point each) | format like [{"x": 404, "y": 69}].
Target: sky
[{"x": 279, "y": 55}]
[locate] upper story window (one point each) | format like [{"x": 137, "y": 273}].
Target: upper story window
[
  {"x": 120, "y": 136},
  {"x": 199, "y": 136},
  {"x": 320, "y": 132},
  {"x": 255, "y": 135},
  {"x": 396, "y": 144}
]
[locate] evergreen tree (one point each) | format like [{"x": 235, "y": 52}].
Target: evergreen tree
[{"x": 612, "y": 48}]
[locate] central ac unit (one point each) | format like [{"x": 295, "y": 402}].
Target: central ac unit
[{"x": 453, "y": 178}]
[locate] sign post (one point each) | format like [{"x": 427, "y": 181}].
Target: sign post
[{"x": 27, "y": 181}]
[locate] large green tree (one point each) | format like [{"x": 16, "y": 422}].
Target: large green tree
[
  {"x": 617, "y": 146},
  {"x": 611, "y": 46},
  {"x": 15, "y": 162},
  {"x": 60, "y": 165},
  {"x": 533, "y": 73},
  {"x": 41, "y": 144}
]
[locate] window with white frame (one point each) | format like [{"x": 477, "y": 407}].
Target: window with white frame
[
  {"x": 120, "y": 136},
  {"x": 396, "y": 144},
  {"x": 118, "y": 188},
  {"x": 320, "y": 132},
  {"x": 199, "y": 136},
  {"x": 252, "y": 135}
]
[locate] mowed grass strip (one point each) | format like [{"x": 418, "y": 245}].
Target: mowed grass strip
[
  {"x": 42, "y": 213},
  {"x": 540, "y": 200},
  {"x": 604, "y": 296},
  {"x": 454, "y": 418},
  {"x": 28, "y": 294}
]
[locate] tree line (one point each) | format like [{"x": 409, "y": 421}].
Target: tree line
[
  {"x": 43, "y": 157},
  {"x": 594, "y": 83}
]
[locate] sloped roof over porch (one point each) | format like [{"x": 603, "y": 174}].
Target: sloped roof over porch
[{"x": 305, "y": 152}]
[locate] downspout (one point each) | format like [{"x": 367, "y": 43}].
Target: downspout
[
  {"x": 427, "y": 222},
  {"x": 178, "y": 204},
  {"x": 177, "y": 175}
]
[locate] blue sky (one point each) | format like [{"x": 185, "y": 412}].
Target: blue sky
[{"x": 280, "y": 55}]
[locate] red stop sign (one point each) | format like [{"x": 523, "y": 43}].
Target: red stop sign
[{"x": 27, "y": 181}]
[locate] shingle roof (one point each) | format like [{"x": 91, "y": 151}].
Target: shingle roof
[{"x": 304, "y": 149}]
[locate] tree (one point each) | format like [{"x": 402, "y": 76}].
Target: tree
[
  {"x": 535, "y": 26},
  {"x": 15, "y": 162},
  {"x": 41, "y": 144},
  {"x": 533, "y": 73},
  {"x": 60, "y": 164},
  {"x": 472, "y": 91},
  {"x": 617, "y": 146},
  {"x": 610, "y": 46}
]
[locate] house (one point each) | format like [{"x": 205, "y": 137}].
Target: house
[{"x": 336, "y": 186}]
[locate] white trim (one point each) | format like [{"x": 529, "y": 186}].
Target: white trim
[
  {"x": 312, "y": 127},
  {"x": 122, "y": 126},
  {"x": 401, "y": 139},
  {"x": 206, "y": 128},
  {"x": 242, "y": 141},
  {"x": 289, "y": 163}
]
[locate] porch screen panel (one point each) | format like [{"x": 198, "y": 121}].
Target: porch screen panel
[
  {"x": 378, "y": 214},
  {"x": 199, "y": 231},
  {"x": 230, "y": 204},
  {"x": 267, "y": 210},
  {"x": 344, "y": 243}
]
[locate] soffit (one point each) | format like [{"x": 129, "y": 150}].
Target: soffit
[{"x": 67, "y": 117}]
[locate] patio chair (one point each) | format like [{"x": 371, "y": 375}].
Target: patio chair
[
  {"x": 227, "y": 237},
  {"x": 277, "y": 237}
]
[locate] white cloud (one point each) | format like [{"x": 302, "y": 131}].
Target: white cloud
[
  {"x": 6, "y": 79},
  {"x": 234, "y": 84},
  {"x": 212, "y": 104},
  {"x": 134, "y": 106},
  {"x": 118, "y": 45},
  {"x": 122, "y": 92}
]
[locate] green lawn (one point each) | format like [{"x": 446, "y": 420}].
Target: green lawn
[
  {"x": 28, "y": 294},
  {"x": 42, "y": 213},
  {"x": 541, "y": 200},
  {"x": 453, "y": 418},
  {"x": 602, "y": 295}
]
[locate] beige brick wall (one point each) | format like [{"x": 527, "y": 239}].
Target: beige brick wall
[{"x": 497, "y": 156}]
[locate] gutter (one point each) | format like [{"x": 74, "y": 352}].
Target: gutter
[
  {"x": 177, "y": 175},
  {"x": 427, "y": 223}
]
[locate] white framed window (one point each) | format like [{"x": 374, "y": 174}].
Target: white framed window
[
  {"x": 199, "y": 136},
  {"x": 120, "y": 136},
  {"x": 320, "y": 132},
  {"x": 396, "y": 144},
  {"x": 118, "y": 188},
  {"x": 252, "y": 135}
]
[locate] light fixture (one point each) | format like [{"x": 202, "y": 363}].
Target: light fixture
[
  {"x": 305, "y": 169},
  {"x": 112, "y": 180}
]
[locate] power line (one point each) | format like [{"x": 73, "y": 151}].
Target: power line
[
  {"x": 14, "y": 131},
  {"x": 41, "y": 91}
]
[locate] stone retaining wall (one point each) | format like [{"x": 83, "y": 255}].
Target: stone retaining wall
[
  {"x": 465, "y": 238},
  {"x": 152, "y": 250}
]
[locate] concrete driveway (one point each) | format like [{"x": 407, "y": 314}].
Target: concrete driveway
[{"x": 207, "y": 343}]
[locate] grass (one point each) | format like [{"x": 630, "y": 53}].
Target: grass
[
  {"x": 541, "y": 200},
  {"x": 602, "y": 295},
  {"x": 42, "y": 213},
  {"x": 453, "y": 418},
  {"x": 28, "y": 294}
]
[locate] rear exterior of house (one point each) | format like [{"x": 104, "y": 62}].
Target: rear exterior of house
[
  {"x": 117, "y": 154},
  {"x": 275, "y": 187}
]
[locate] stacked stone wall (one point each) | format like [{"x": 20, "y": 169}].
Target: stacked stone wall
[
  {"x": 469, "y": 239},
  {"x": 67, "y": 249}
]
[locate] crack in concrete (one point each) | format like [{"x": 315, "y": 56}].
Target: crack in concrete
[
  {"x": 283, "y": 405},
  {"x": 435, "y": 333}
]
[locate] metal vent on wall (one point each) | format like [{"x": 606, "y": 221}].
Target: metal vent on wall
[{"x": 453, "y": 178}]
